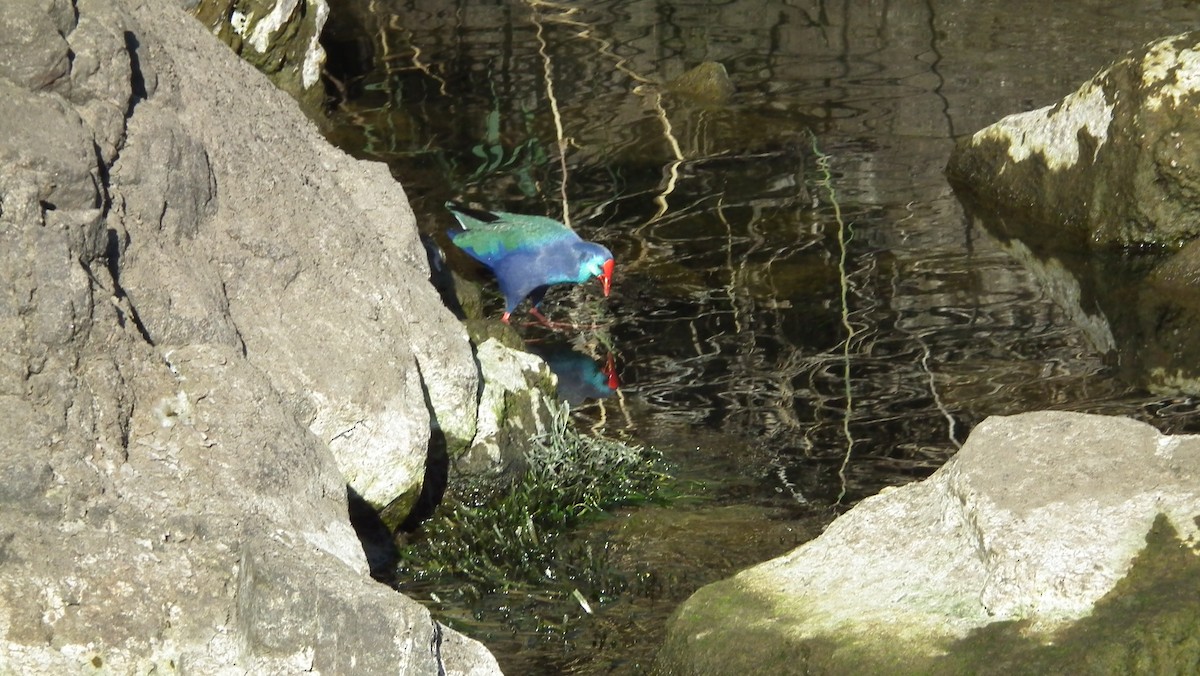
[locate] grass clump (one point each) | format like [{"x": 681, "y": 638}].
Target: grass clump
[{"x": 523, "y": 540}]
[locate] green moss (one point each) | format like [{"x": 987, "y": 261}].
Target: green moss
[
  {"x": 482, "y": 330},
  {"x": 726, "y": 629},
  {"x": 729, "y": 628},
  {"x": 398, "y": 510},
  {"x": 468, "y": 295}
]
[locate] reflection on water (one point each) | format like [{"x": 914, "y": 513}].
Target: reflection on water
[
  {"x": 580, "y": 377},
  {"x": 860, "y": 324},
  {"x": 793, "y": 270}
]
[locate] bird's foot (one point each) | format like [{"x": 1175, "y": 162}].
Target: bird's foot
[{"x": 542, "y": 320}]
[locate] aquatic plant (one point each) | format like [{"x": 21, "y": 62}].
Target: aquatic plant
[{"x": 520, "y": 540}]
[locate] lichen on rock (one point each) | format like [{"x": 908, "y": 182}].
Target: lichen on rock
[
  {"x": 1053, "y": 131},
  {"x": 1114, "y": 161},
  {"x": 279, "y": 37}
]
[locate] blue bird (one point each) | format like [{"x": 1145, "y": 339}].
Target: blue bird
[{"x": 529, "y": 254}]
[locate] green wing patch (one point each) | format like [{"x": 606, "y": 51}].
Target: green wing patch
[{"x": 510, "y": 233}]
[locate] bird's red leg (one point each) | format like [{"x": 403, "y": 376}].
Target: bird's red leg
[
  {"x": 537, "y": 314},
  {"x": 545, "y": 321},
  {"x": 505, "y": 317},
  {"x": 557, "y": 326}
]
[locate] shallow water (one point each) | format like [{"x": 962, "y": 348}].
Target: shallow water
[{"x": 801, "y": 298}]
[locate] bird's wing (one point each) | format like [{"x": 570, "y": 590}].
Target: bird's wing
[{"x": 491, "y": 242}]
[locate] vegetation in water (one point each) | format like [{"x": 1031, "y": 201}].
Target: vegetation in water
[{"x": 520, "y": 543}]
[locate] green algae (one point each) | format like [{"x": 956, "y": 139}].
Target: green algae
[{"x": 723, "y": 629}]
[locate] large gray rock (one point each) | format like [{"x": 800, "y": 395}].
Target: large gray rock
[
  {"x": 1114, "y": 161},
  {"x": 34, "y": 53},
  {"x": 312, "y": 257},
  {"x": 989, "y": 566},
  {"x": 195, "y": 308}
]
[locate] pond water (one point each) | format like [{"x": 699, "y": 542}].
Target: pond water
[{"x": 801, "y": 300}]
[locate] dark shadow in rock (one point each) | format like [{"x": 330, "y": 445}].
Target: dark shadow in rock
[
  {"x": 112, "y": 254},
  {"x": 433, "y": 487},
  {"x": 137, "y": 81},
  {"x": 437, "y": 469},
  {"x": 442, "y": 277},
  {"x": 375, "y": 536},
  {"x": 1142, "y": 620},
  {"x": 350, "y": 52}
]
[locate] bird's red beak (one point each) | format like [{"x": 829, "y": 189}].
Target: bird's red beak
[{"x": 606, "y": 276}]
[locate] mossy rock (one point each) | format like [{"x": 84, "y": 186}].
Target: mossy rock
[
  {"x": 281, "y": 43},
  {"x": 707, "y": 83},
  {"x": 1148, "y": 623}
]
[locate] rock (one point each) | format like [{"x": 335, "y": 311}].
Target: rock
[
  {"x": 1022, "y": 550},
  {"x": 50, "y": 139},
  {"x": 279, "y": 37},
  {"x": 338, "y": 311},
  {"x": 516, "y": 405},
  {"x": 199, "y": 299},
  {"x": 707, "y": 83},
  {"x": 1114, "y": 162},
  {"x": 1164, "y": 344},
  {"x": 34, "y": 54},
  {"x": 101, "y": 74}
]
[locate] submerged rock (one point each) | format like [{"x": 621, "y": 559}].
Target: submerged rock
[
  {"x": 1116, "y": 160},
  {"x": 707, "y": 83},
  {"x": 1023, "y": 554}
]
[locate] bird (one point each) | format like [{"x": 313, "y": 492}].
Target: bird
[{"x": 529, "y": 254}]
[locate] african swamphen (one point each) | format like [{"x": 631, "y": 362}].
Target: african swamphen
[{"x": 528, "y": 254}]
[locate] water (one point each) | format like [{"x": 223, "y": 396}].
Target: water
[{"x": 801, "y": 300}]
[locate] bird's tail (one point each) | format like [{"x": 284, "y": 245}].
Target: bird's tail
[{"x": 467, "y": 217}]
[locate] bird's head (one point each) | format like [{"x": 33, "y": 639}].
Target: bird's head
[{"x": 599, "y": 263}]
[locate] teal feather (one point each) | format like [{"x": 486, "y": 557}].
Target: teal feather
[{"x": 490, "y": 241}]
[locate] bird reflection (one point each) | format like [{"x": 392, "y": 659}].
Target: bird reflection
[{"x": 580, "y": 377}]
